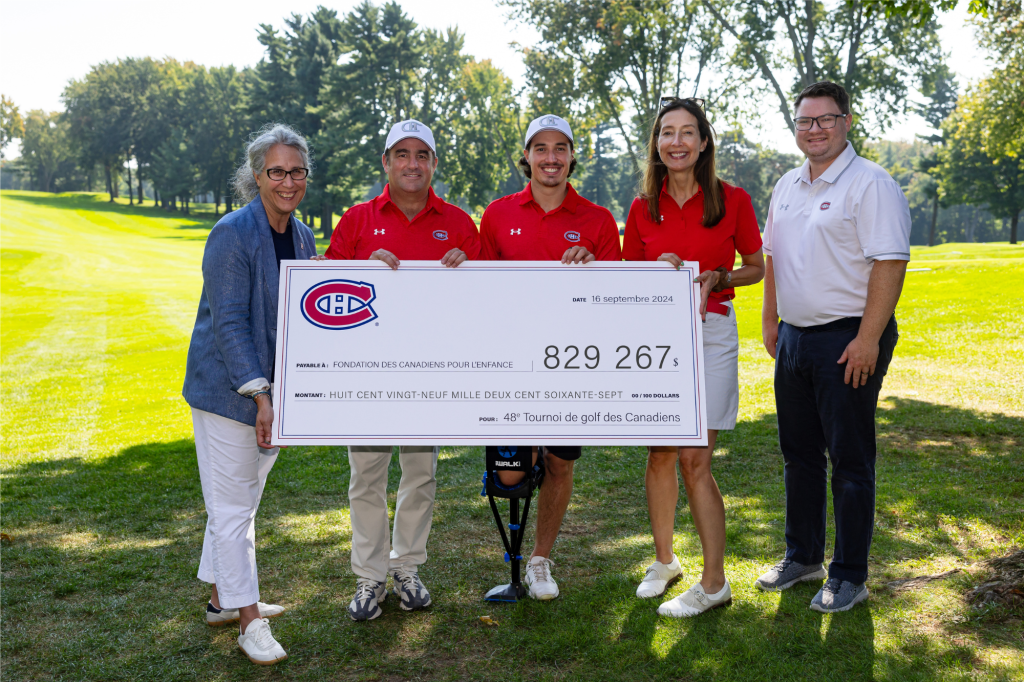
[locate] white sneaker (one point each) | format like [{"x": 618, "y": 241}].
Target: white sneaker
[
  {"x": 218, "y": 617},
  {"x": 259, "y": 645},
  {"x": 658, "y": 577},
  {"x": 538, "y": 579},
  {"x": 696, "y": 601}
]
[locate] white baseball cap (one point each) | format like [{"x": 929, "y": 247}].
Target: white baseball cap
[
  {"x": 549, "y": 122},
  {"x": 410, "y": 128}
]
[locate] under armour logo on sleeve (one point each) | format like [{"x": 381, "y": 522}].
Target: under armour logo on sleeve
[
  {"x": 514, "y": 231},
  {"x": 380, "y": 231}
]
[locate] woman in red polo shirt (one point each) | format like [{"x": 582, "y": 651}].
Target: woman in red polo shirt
[{"x": 686, "y": 213}]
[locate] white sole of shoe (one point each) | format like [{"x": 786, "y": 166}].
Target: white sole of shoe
[
  {"x": 691, "y": 615},
  {"x": 276, "y": 660},
  {"x": 856, "y": 600},
  {"x": 817, "y": 575},
  {"x": 668, "y": 584},
  {"x": 543, "y": 597}
]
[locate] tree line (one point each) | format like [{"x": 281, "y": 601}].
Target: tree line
[{"x": 604, "y": 65}]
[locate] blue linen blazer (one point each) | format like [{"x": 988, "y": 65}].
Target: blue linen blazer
[{"x": 235, "y": 336}]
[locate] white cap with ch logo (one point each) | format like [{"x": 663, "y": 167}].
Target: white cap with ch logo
[
  {"x": 548, "y": 122},
  {"x": 406, "y": 129}
]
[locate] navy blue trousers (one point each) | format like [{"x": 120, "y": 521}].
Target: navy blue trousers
[{"x": 818, "y": 412}]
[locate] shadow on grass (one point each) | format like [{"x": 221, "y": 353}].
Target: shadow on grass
[{"x": 104, "y": 555}]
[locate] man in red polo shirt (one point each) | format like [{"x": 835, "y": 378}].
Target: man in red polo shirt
[
  {"x": 407, "y": 221},
  {"x": 548, "y": 221}
]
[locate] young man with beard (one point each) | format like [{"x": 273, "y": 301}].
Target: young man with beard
[
  {"x": 406, "y": 221},
  {"x": 548, "y": 221}
]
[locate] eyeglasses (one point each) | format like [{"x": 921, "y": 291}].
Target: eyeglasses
[
  {"x": 668, "y": 101},
  {"x": 279, "y": 173},
  {"x": 825, "y": 121}
]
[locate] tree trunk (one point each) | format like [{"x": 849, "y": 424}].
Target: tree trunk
[
  {"x": 325, "y": 219},
  {"x": 128, "y": 161},
  {"x": 138, "y": 172},
  {"x": 1013, "y": 227},
  {"x": 935, "y": 217},
  {"x": 110, "y": 182},
  {"x": 227, "y": 203}
]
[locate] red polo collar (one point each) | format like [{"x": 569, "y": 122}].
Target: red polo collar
[
  {"x": 569, "y": 203},
  {"x": 434, "y": 202}
]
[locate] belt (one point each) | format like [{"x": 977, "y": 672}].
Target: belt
[{"x": 718, "y": 307}]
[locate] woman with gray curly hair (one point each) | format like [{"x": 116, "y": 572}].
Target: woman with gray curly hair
[{"x": 229, "y": 372}]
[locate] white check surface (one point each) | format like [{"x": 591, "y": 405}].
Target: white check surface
[{"x": 489, "y": 353}]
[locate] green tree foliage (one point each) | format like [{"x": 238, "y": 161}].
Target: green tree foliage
[
  {"x": 611, "y": 61},
  {"x": 908, "y": 163},
  {"x": 12, "y": 127},
  {"x": 287, "y": 87},
  {"x": 753, "y": 167},
  {"x": 46, "y": 155},
  {"x": 176, "y": 170},
  {"x": 982, "y": 163},
  {"x": 875, "y": 56}
]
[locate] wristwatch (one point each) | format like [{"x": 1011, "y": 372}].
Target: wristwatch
[{"x": 724, "y": 279}]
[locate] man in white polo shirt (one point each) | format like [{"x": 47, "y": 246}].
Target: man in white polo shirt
[{"x": 837, "y": 242}]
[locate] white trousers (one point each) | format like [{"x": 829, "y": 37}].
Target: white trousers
[
  {"x": 233, "y": 471},
  {"x": 373, "y": 553}
]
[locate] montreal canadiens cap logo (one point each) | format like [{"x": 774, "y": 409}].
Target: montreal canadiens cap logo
[
  {"x": 824, "y": 206},
  {"x": 441, "y": 234},
  {"x": 339, "y": 304},
  {"x": 572, "y": 235}
]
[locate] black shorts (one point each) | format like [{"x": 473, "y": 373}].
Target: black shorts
[{"x": 566, "y": 452}]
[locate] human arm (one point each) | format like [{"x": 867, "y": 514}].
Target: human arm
[
  {"x": 227, "y": 283},
  {"x": 885, "y": 284},
  {"x": 468, "y": 246},
  {"x": 264, "y": 421},
  {"x": 769, "y": 310},
  {"x": 751, "y": 272}
]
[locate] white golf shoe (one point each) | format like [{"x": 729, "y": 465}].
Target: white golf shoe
[
  {"x": 696, "y": 601},
  {"x": 658, "y": 577},
  {"x": 259, "y": 645},
  {"x": 538, "y": 579}
]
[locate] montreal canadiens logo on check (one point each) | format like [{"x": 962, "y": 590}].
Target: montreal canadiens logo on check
[{"x": 339, "y": 304}]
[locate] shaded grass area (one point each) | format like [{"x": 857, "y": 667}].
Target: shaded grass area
[{"x": 100, "y": 494}]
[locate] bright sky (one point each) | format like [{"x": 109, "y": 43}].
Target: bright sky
[{"x": 45, "y": 44}]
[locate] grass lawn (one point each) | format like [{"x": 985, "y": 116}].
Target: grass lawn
[{"x": 102, "y": 504}]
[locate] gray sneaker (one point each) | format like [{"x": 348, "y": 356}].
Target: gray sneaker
[
  {"x": 838, "y": 595},
  {"x": 787, "y": 573},
  {"x": 411, "y": 592},
  {"x": 366, "y": 604}
]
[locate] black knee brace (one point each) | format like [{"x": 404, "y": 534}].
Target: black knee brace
[{"x": 511, "y": 458}]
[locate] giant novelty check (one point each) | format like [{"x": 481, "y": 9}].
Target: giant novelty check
[{"x": 488, "y": 353}]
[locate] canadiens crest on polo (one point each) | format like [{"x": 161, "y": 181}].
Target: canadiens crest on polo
[
  {"x": 339, "y": 304},
  {"x": 825, "y": 205},
  {"x": 572, "y": 236},
  {"x": 441, "y": 235}
]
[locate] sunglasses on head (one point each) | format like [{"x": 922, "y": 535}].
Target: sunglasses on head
[{"x": 668, "y": 101}]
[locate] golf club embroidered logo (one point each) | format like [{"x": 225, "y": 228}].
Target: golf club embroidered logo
[
  {"x": 572, "y": 236},
  {"x": 824, "y": 206},
  {"x": 441, "y": 235},
  {"x": 410, "y": 127},
  {"x": 339, "y": 304},
  {"x": 549, "y": 121}
]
